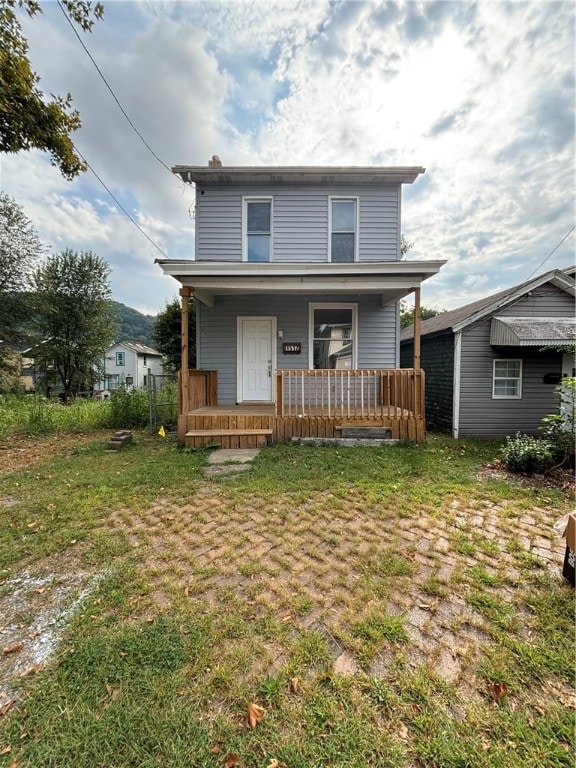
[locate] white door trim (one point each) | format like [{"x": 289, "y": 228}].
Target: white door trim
[{"x": 240, "y": 349}]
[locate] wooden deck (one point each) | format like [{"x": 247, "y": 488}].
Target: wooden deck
[{"x": 252, "y": 426}]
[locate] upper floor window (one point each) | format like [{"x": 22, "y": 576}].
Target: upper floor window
[
  {"x": 257, "y": 229},
  {"x": 507, "y": 379},
  {"x": 120, "y": 358},
  {"x": 343, "y": 229}
]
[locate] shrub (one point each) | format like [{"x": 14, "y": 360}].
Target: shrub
[
  {"x": 559, "y": 429},
  {"x": 527, "y": 454},
  {"x": 129, "y": 408}
]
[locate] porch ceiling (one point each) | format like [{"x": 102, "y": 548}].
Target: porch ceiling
[{"x": 391, "y": 280}]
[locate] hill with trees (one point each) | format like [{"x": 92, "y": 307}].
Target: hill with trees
[{"x": 133, "y": 325}]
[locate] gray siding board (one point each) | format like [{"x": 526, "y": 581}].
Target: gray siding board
[
  {"x": 300, "y": 221},
  {"x": 484, "y": 416},
  {"x": 217, "y": 329}
]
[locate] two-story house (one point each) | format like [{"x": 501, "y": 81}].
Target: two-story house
[
  {"x": 128, "y": 364},
  {"x": 297, "y": 276}
]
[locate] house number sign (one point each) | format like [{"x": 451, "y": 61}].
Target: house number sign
[{"x": 292, "y": 348}]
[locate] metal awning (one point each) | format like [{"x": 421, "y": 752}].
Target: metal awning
[{"x": 532, "y": 331}]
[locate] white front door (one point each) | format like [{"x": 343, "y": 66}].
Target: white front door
[{"x": 256, "y": 362}]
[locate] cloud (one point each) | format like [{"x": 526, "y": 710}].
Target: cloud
[{"x": 481, "y": 94}]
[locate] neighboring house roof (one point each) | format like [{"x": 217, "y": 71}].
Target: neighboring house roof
[
  {"x": 141, "y": 349},
  {"x": 306, "y": 174},
  {"x": 459, "y": 318}
]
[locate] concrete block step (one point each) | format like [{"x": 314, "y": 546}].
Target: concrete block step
[{"x": 366, "y": 433}]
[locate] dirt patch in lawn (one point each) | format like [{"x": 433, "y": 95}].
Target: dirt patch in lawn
[{"x": 20, "y": 452}]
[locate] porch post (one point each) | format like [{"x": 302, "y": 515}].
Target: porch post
[
  {"x": 417, "y": 328},
  {"x": 185, "y": 293}
]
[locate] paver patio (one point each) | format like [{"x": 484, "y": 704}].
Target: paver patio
[{"x": 327, "y": 562}]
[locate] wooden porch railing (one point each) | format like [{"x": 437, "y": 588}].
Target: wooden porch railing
[
  {"x": 202, "y": 389},
  {"x": 373, "y": 393}
]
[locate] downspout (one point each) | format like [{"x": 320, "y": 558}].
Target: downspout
[{"x": 456, "y": 384}]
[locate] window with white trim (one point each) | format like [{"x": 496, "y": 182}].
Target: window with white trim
[
  {"x": 257, "y": 229},
  {"x": 507, "y": 379},
  {"x": 120, "y": 358},
  {"x": 343, "y": 229},
  {"x": 333, "y": 334}
]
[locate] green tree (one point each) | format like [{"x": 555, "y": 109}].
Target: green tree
[
  {"x": 74, "y": 315},
  {"x": 20, "y": 250},
  {"x": 168, "y": 331},
  {"x": 27, "y": 118},
  {"x": 407, "y": 314}
]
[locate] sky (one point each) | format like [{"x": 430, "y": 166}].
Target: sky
[{"x": 481, "y": 94}]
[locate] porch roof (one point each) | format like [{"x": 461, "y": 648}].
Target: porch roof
[
  {"x": 392, "y": 279},
  {"x": 201, "y": 174}
]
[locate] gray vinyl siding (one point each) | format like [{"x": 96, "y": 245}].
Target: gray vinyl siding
[
  {"x": 217, "y": 330},
  {"x": 480, "y": 414},
  {"x": 437, "y": 361},
  {"x": 300, "y": 221}
]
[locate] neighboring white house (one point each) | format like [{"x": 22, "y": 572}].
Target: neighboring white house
[{"x": 128, "y": 364}]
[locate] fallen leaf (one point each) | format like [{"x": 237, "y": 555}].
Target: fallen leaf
[
  {"x": 232, "y": 761},
  {"x": 255, "y": 714},
  {"x": 403, "y": 732},
  {"x": 216, "y": 748},
  {"x": 112, "y": 691},
  {"x": 273, "y": 764},
  {"x": 410, "y": 555},
  {"x": 5, "y": 750},
  {"x": 186, "y": 592},
  {"x": 286, "y": 617},
  {"x": 12, "y": 648},
  {"x": 5, "y": 707},
  {"x": 295, "y": 685},
  {"x": 498, "y": 691}
]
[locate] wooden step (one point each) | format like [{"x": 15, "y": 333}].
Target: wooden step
[{"x": 226, "y": 432}]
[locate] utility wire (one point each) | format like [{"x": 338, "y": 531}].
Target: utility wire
[
  {"x": 136, "y": 131},
  {"x": 119, "y": 204},
  {"x": 553, "y": 251}
]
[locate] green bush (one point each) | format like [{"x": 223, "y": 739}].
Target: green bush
[
  {"x": 527, "y": 454},
  {"x": 559, "y": 429},
  {"x": 129, "y": 408}
]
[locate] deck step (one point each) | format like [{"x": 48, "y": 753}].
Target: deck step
[
  {"x": 366, "y": 433},
  {"x": 217, "y": 432}
]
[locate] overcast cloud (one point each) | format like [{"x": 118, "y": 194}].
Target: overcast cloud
[{"x": 481, "y": 94}]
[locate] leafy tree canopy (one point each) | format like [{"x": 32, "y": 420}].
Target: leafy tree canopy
[
  {"x": 75, "y": 319},
  {"x": 167, "y": 333},
  {"x": 28, "y": 120},
  {"x": 20, "y": 251},
  {"x": 407, "y": 314}
]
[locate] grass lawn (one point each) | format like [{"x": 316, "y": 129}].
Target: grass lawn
[{"x": 396, "y": 607}]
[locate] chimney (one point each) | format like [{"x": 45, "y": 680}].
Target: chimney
[{"x": 215, "y": 162}]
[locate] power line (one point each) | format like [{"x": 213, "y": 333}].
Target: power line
[
  {"x": 553, "y": 251},
  {"x": 136, "y": 131},
  {"x": 119, "y": 204}
]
